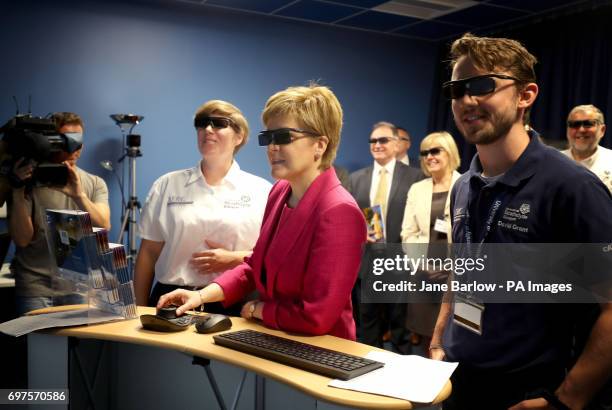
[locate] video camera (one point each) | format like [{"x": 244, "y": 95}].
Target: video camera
[{"x": 39, "y": 142}]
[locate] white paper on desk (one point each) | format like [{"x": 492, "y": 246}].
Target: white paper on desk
[
  {"x": 412, "y": 378},
  {"x": 26, "y": 324}
]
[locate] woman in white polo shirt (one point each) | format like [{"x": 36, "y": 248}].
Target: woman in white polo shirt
[{"x": 201, "y": 221}]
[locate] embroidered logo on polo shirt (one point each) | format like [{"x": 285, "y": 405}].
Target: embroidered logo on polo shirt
[
  {"x": 515, "y": 218},
  {"x": 517, "y": 214},
  {"x": 243, "y": 202}
]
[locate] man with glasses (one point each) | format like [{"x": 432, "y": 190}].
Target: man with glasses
[
  {"x": 585, "y": 129},
  {"x": 385, "y": 183},
  {"x": 517, "y": 355},
  {"x": 403, "y": 146}
]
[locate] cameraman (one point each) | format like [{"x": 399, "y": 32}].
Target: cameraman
[{"x": 27, "y": 221}]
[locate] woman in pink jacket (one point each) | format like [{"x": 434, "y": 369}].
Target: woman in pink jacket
[{"x": 306, "y": 259}]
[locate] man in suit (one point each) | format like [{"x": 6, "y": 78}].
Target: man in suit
[
  {"x": 403, "y": 148},
  {"x": 384, "y": 183}
]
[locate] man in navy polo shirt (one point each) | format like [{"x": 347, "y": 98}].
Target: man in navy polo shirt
[{"x": 518, "y": 349}]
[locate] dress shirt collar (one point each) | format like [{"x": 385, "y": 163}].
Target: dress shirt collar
[{"x": 390, "y": 167}]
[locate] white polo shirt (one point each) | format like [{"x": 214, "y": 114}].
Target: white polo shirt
[
  {"x": 183, "y": 211},
  {"x": 600, "y": 163}
]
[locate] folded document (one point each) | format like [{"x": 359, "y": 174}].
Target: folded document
[{"x": 412, "y": 378}]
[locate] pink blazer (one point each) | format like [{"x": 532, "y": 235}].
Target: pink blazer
[{"x": 311, "y": 262}]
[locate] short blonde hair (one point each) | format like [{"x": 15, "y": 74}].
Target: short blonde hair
[
  {"x": 446, "y": 141},
  {"x": 225, "y": 109},
  {"x": 315, "y": 108}
]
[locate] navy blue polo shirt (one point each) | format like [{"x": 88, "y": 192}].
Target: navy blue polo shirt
[{"x": 566, "y": 203}]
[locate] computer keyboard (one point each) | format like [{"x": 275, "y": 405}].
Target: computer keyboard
[{"x": 315, "y": 359}]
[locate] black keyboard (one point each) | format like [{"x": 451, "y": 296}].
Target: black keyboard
[{"x": 314, "y": 359}]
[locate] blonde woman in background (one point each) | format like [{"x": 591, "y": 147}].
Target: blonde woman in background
[{"x": 427, "y": 219}]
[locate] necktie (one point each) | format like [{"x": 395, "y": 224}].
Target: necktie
[{"x": 381, "y": 192}]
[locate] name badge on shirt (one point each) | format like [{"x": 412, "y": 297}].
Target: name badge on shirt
[
  {"x": 468, "y": 314},
  {"x": 178, "y": 200},
  {"x": 441, "y": 226}
]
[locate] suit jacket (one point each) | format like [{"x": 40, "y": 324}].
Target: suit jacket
[
  {"x": 417, "y": 216},
  {"x": 403, "y": 177},
  {"x": 305, "y": 266}
]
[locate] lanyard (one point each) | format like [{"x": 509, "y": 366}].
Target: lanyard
[{"x": 498, "y": 201}]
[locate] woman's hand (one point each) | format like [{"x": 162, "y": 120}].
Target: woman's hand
[
  {"x": 215, "y": 259},
  {"x": 185, "y": 299},
  {"x": 252, "y": 310}
]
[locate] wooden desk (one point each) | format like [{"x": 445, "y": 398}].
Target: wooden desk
[{"x": 201, "y": 345}]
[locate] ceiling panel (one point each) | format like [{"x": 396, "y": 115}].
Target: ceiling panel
[
  {"x": 360, "y": 3},
  {"x": 400, "y": 17},
  {"x": 262, "y": 6},
  {"x": 531, "y": 5},
  {"x": 374, "y": 20},
  {"x": 481, "y": 16},
  {"x": 432, "y": 30},
  {"x": 318, "y": 11}
]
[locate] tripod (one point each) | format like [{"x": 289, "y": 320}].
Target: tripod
[{"x": 132, "y": 208}]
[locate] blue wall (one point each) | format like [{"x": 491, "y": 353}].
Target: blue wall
[{"x": 162, "y": 61}]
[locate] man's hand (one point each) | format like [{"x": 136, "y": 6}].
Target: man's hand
[
  {"x": 215, "y": 259},
  {"x": 23, "y": 171},
  {"x": 437, "y": 353},
  {"x": 73, "y": 186},
  {"x": 437, "y": 275}
]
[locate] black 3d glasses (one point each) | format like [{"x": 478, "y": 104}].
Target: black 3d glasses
[
  {"x": 583, "y": 123},
  {"x": 433, "y": 151},
  {"x": 478, "y": 85},
  {"x": 381, "y": 140},
  {"x": 203, "y": 121},
  {"x": 282, "y": 136}
]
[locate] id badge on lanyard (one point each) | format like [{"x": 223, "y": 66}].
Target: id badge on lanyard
[
  {"x": 467, "y": 313},
  {"x": 468, "y": 309}
]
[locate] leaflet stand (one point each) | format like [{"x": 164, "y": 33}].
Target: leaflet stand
[{"x": 82, "y": 258}]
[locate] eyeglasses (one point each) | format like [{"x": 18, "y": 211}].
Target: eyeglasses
[
  {"x": 583, "y": 123},
  {"x": 433, "y": 151},
  {"x": 203, "y": 121},
  {"x": 381, "y": 140},
  {"x": 478, "y": 85},
  {"x": 282, "y": 136}
]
